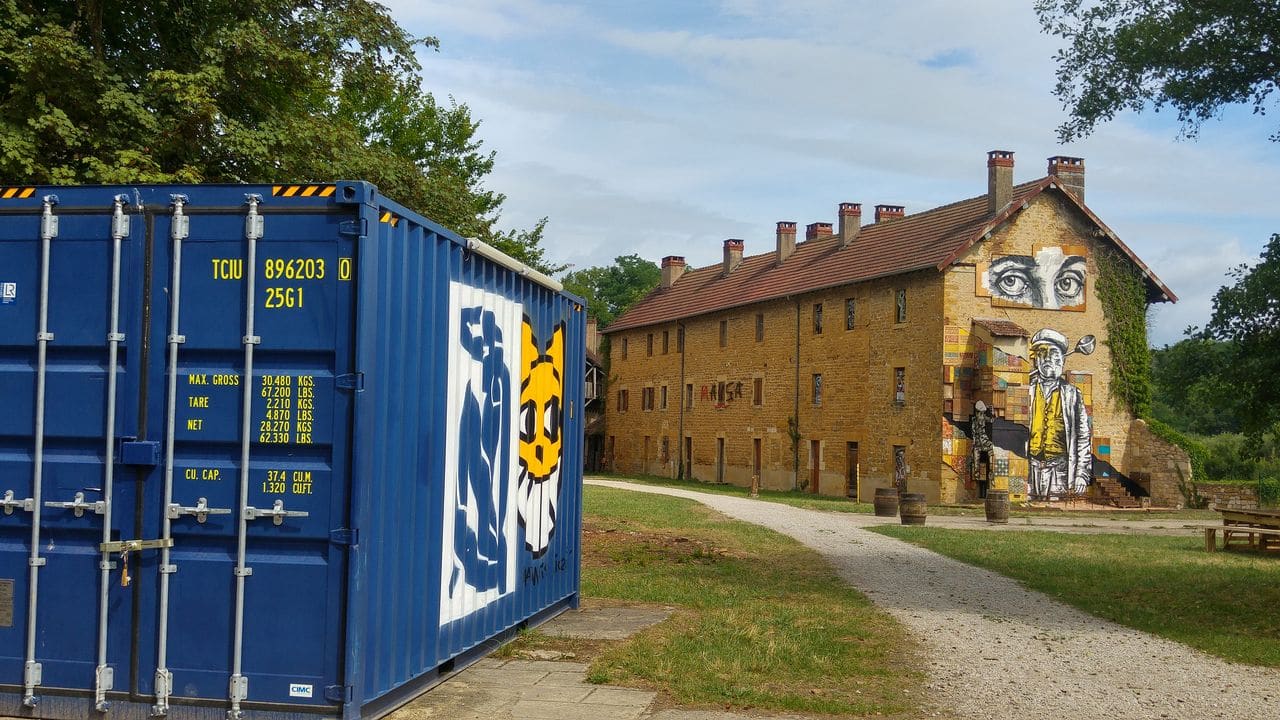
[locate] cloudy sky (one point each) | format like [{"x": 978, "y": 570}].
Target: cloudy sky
[{"x": 663, "y": 127}]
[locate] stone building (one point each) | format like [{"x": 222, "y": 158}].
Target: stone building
[{"x": 946, "y": 352}]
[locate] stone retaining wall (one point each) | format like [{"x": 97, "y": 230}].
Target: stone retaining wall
[
  {"x": 1229, "y": 496},
  {"x": 1157, "y": 465}
]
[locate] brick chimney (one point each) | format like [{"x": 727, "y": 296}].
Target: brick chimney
[
  {"x": 885, "y": 213},
  {"x": 786, "y": 240},
  {"x": 732, "y": 254},
  {"x": 850, "y": 222},
  {"x": 1070, "y": 170},
  {"x": 999, "y": 180},
  {"x": 813, "y": 231},
  {"x": 593, "y": 335},
  {"x": 672, "y": 268}
]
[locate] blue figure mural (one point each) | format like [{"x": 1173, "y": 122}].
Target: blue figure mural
[{"x": 486, "y": 413}]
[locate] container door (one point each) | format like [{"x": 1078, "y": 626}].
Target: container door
[
  {"x": 70, "y": 335},
  {"x": 247, "y": 605}
]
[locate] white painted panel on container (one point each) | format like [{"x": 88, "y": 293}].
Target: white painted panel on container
[{"x": 480, "y": 532}]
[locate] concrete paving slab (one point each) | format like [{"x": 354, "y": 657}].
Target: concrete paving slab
[
  {"x": 543, "y": 710},
  {"x": 605, "y": 623},
  {"x": 620, "y": 696},
  {"x": 505, "y": 676},
  {"x": 564, "y": 679}
]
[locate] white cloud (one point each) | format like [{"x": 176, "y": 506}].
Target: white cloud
[{"x": 666, "y": 127}]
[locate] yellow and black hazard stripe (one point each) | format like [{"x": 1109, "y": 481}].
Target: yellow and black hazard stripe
[
  {"x": 17, "y": 193},
  {"x": 390, "y": 217},
  {"x": 302, "y": 190}
]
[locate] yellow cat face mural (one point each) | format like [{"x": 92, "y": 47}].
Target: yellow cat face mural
[{"x": 541, "y": 435}]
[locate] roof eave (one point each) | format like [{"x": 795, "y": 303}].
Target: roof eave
[{"x": 1051, "y": 182}]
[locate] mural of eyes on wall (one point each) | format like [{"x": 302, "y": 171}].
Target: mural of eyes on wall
[
  {"x": 1060, "y": 450},
  {"x": 508, "y": 392},
  {"x": 1052, "y": 278}
]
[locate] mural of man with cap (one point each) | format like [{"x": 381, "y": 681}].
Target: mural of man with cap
[{"x": 1059, "y": 450}]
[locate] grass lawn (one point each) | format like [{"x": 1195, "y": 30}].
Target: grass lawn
[
  {"x": 839, "y": 504},
  {"x": 1224, "y": 603},
  {"x": 760, "y": 622}
]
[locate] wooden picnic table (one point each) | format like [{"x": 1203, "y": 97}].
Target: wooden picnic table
[{"x": 1257, "y": 529}]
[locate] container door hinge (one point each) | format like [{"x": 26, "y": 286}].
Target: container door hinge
[
  {"x": 344, "y": 536},
  {"x": 350, "y": 381},
  {"x": 355, "y": 228},
  {"x": 338, "y": 693}
]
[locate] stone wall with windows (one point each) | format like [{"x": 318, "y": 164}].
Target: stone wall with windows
[{"x": 740, "y": 394}]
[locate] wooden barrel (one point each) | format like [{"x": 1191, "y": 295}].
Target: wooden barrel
[
  {"x": 886, "y": 502},
  {"x": 997, "y": 506},
  {"x": 912, "y": 509}
]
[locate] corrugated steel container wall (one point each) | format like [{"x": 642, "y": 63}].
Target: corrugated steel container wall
[
  {"x": 420, "y": 270},
  {"x": 413, "y": 423}
]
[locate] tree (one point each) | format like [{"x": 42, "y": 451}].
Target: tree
[
  {"x": 1248, "y": 314},
  {"x": 1189, "y": 391},
  {"x": 609, "y": 291},
  {"x": 1193, "y": 55},
  {"x": 193, "y": 91}
]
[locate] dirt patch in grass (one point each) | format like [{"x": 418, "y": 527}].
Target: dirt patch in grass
[{"x": 604, "y": 546}]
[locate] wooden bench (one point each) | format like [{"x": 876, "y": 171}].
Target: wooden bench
[{"x": 1257, "y": 536}]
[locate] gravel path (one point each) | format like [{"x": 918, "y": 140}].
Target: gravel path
[{"x": 996, "y": 649}]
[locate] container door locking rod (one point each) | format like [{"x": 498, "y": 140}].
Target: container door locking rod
[
  {"x": 104, "y": 675},
  {"x": 238, "y": 688},
  {"x": 32, "y": 670},
  {"x": 179, "y": 227}
]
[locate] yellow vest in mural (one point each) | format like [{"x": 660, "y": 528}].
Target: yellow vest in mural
[{"x": 1048, "y": 434}]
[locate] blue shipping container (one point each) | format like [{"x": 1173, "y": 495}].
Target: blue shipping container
[{"x": 272, "y": 451}]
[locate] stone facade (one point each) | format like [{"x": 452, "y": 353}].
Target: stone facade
[
  {"x": 1167, "y": 467},
  {"x": 741, "y": 399}
]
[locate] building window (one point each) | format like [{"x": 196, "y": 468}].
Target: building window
[
  {"x": 646, "y": 399},
  {"x": 759, "y": 327},
  {"x": 817, "y": 388},
  {"x": 622, "y": 401},
  {"x": 624, "y": 348},
  {"x": 680, "y": 339},
  {"x": 688, "y": 395},
  {"x": 662, "y": 398},
  {"x": 649, "y": 347},
  {"x": 817, "y": 318},
  {"x": 900, "y": 385},
  {"x": 666, "y": 342},
  {"x": 757, "y": 392},
  {"x": 665, "y": 457},
  {"x": 849, "y": 308},
  {"x": 724, "y": 333},
  {"x": 900, "y": 310}
]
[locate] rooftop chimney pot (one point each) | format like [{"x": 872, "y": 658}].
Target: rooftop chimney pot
[
  {"x": 999, "y": 180},
  {"x": 786, "y": 240},
  {"x": 732, "y": 254},
  {"x": 885, "y": 213},
  {"x": 813, "y": 231},
  {"x": 850, "y": 222},
  {"x": 672, "y": 268},
  {"x": 1070, "y": 170}
]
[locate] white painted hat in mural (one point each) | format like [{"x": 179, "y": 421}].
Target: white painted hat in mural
[{"x": 1049, "y": 336}]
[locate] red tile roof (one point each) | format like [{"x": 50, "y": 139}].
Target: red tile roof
[
  {"x": 1001, "y": 327},
  {"x": 931, "y": 239}
]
